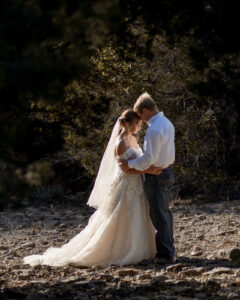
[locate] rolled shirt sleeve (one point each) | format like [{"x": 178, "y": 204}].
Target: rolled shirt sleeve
[{"x": 152, "y": 145}]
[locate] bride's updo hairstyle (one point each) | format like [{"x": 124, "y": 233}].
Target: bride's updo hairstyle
[{"x": 128, "y": 115}]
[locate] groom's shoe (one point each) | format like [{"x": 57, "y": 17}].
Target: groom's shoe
[{"x": 164, "y": 261}]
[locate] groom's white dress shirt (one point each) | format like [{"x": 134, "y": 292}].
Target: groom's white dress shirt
[{"x": 158, "y": 148}]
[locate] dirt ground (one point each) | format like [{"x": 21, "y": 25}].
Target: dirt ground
[{"x": 204, "y": 235}]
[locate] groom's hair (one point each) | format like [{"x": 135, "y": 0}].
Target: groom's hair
[{"x": 145, "y": 101}]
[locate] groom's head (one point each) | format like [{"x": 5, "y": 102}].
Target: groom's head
[{"x": 145, "y": 107}]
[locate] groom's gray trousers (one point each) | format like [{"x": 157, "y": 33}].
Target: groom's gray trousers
[{"x": 157, "y": 189}]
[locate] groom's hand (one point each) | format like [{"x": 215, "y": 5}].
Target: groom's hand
[{"x": 123, "y": 165}]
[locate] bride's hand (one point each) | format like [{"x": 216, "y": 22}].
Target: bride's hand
[
  {"x": 154, "y": 170},
  {"x": 123, "y": 165}
]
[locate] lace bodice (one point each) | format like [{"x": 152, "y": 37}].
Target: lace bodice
[
  {"x": 133, "y": 187},
  {"x": 131, "y": 153}
]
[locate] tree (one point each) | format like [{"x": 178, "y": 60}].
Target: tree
[
  {"x": 52, "y": 60},
  {"x": 44, "y": 45}
]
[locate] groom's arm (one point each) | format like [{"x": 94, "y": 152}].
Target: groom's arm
[
  {"x": 151, "y": 170},
  {"x": 152, "y": 142},
  {"x": 133, "y": 171},
  {"x": 125, "y": 168}
]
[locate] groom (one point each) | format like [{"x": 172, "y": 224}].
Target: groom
[{"x": 159, "y": 150}]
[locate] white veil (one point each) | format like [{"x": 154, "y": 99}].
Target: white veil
[{"x": 107, "y": 171}]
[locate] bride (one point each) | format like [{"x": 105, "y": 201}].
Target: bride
[{"x": 120, "y": 231}]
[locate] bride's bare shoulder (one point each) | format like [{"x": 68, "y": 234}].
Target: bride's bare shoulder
[{"x": 120, "y": 147}]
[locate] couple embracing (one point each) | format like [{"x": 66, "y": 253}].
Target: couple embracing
[{"x": 133, "y": 221}]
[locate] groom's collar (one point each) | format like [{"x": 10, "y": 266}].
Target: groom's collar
[{"x": 153, "y": 118}]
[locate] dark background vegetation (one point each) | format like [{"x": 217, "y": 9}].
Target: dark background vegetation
[{"x": 68, "y": 68}]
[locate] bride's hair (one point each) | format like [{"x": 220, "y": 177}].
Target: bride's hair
[{"x": 128, "y": 115}]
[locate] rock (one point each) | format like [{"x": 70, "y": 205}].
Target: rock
[
  {"x": 3, "y": 248},
  {"x": 27, "y": 245},
  {"x": 219, "y": 270},
  {"x": 222, "y": 252},
  {"x": 160, "y": 280},
  {"x": 106, "y": 277},
  {"x": 121, "y": 285},
  {"x": 144, "y": 276},
  {"x": 85, "y": 283},
  {"x": 90, "y": 283},
  {"x": 181, "y": 290},
  {"x": 36, "y": 297},
  {"x": 175, "y": 268},
  {"x": 3, "y": 267},
  {"x": 223, "y": 233},
  {"x": 191, "y": 272},
  {"x": 69, "y": 279},
  {"x": 42, "y": 281},
  {"x": 233, "y": 295},
  {"x": 62, "y": 225},
  {"x": 200, "y": 237},
  {"x": 200, "y": 295},
  {"x": 211, "y": 257},
  {"x": 25, "y": 275},
  {"x": 26, "y": 267},
  {"x": 127, "y": 272},
  {"x": 196, "y": 253}
]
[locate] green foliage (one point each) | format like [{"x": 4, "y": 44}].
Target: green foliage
[
  {"x": 211, "y": 26},
  {"x": 17, "y": 182},
  {"x": 39, "y": 173},
  {"x": 12, "y": 189},
  {"x": 204, "y": 147},
  {"x": 69, "y": 68},
  {"x": 44, "y": 45}
]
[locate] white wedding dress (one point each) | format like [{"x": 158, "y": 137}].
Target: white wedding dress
[{"x": 120, "y": 232}]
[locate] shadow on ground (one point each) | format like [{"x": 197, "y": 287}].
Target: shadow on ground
[{"x": 124, "y": 286}]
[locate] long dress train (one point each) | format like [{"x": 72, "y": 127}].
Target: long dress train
[{"x": 120, "y": 232}]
